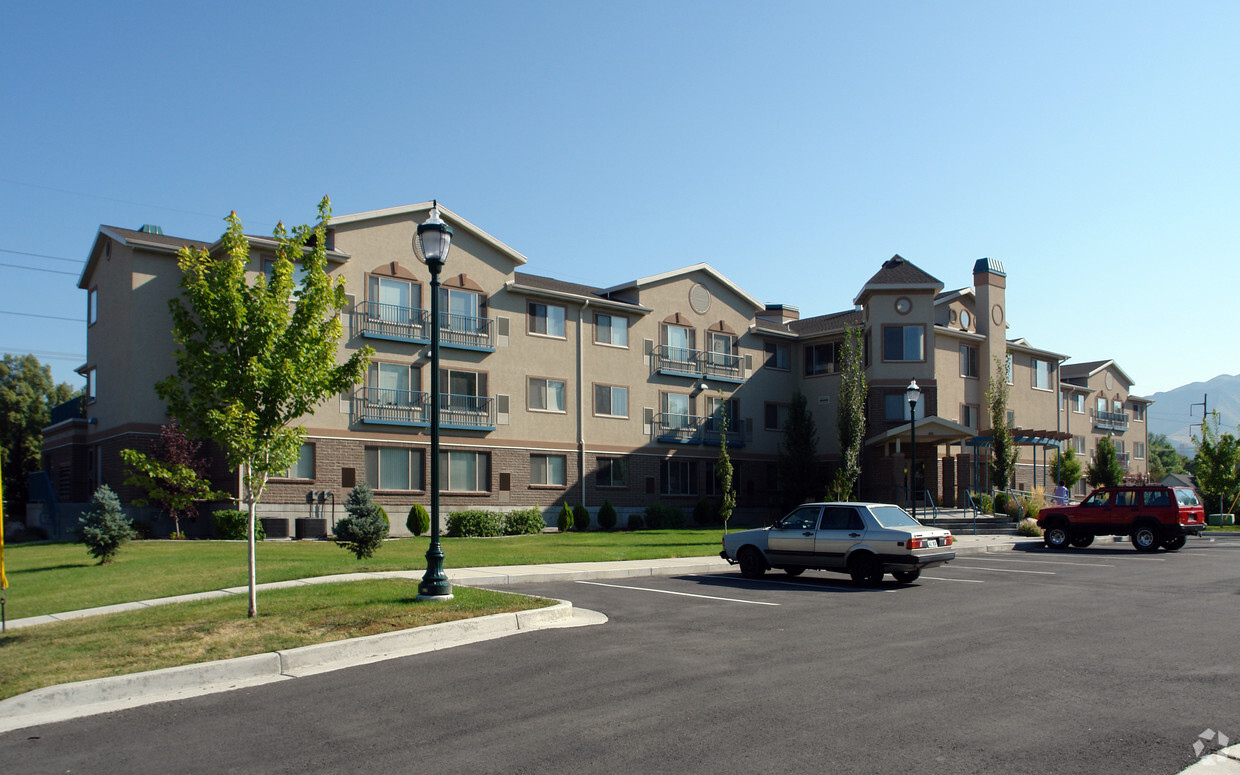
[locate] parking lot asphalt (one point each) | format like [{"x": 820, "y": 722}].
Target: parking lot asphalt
[{"x": 965, "y": 595}]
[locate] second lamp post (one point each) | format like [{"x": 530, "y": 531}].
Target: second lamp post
[{"x": 912, "y": 394}]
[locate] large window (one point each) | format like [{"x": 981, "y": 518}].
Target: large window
[
  {"x": 92, "y": 306},
  {"x": 611, "y": 329},
  {"x": 1138, "y": 450},
  {"x": 677, "y": 410},
  {"x": 968, "y": 360},
  {"x": 722, "y": 349},
  {"x": 904, "y": 343},
  {"x": 611, "y": 401},
  {"x": 548, "y": 470},
  {"x": 679, "y": 341},
  {"x": 1078, "y": 445},
  {"x": 464, "y": 472},
  {"x": 461, "y": 311},
  {"x": 1078, "y": 403},
  {"x": 823, "y": 358},
  {"x": 778, "y": 355},
  {"x": 678, "y": 477},
  {"x": 546, "y": 395},
  {"x": 968, "y": 415},
  {"x": 1138, "y": 412},
  {"x": 393, "y": 300},
  {"x": 1041, "y": 374},
  {"x": 392, "y": 383},
  {"x": 299, "y": 271},
  {"x": 546, "y": 319},
  {"x": 394, "y": 468},
  {"x": 304, "y": 467},
  {"x": 895, "y": 408},
  {"x": 775, "y": 416},
  {"x": 612, "y": 472}
]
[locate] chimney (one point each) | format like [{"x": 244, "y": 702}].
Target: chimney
[{"x": 989, "y": 291}]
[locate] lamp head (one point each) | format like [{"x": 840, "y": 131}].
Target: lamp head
[
  {"x": 433, "y": 240},
  {"x": 912, "y": 393}
]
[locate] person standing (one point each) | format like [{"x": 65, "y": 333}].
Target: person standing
[{"x": 1061, "y": 495}]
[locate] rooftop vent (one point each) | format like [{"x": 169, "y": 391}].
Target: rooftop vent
[{"x": 151, "y": 228}]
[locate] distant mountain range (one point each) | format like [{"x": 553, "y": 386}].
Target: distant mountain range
[{"x": 1173, "y": 412}]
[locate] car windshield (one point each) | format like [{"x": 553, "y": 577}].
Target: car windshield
[
  {"x": 1186, "y": 497},
  {"x": 893, "y": 516},
  {"x": 1096, "y": 499}
]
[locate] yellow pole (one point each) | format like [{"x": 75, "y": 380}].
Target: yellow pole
[{"x": 4, "y": 580}]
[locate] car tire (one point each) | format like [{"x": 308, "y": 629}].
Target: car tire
[
  {"x": 906, "y": 576},
  {"x": 751, "y": 562},
  {"x": 1056, "y": 537},
  {"x": 794, "y": 570},
  {"x": 1145, "y": 539},
  {"x": 1082, "y": 541},
  {"x": 865, "y": 569},
  {"x": 1174, "y": 543}
]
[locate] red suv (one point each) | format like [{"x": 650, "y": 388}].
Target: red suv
[{"x": 1153, "y": 515}]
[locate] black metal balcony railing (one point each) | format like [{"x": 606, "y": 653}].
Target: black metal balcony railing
[
  {"x": 678, "y": 428},
  {"x": 412, "y": 324},
  {"x": 712, "y": 432},
  {"x": 385, "y": 406},
  {"x": 683, "y": 361},
  {"x": 466, "y": 331},
  {"x": 73, "y": 409},
  {"x": 1114, "y": 421}
]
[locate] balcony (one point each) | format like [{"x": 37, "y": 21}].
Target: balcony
[
  {"x": 412, "y": 324},
  {"x": 712, "y": 432},
  {"x": 695, "y": 364},
  {"x": 1110, "y": 421},
  {"x": 383, "y": 406},
  {"x": 692, "y": 429}
]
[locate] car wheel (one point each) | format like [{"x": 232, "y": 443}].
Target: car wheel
[
  {"x": 1145, "y": 539},
  {"x": 1056, "y": 537},
  {"x": 1082, "y": 541},
  {"x": 751, "y": 562},
  {"x": 1172, "y": 544},
  {"x": 906, "y": 576},
  {"x": 865, "y": 569},
  {"x": 794, "y": 570}
]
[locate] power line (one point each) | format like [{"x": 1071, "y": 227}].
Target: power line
[
  {"x": 44, "y": 354},
  {"x": 42, "y": 255},
  {"x": 46, "y": 317},
  {"x": 109, "y": 198},
  {"x": 39, "y": 269}
]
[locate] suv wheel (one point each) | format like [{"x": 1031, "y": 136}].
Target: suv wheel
[
  {"x": 865, "y": 569},
  {"x": 1174, "y": 543},
  {"x": 1082, "y": 541},
  {"x": 1056, "y": 537},
  {"x": 751, "y": 562},
  {"x": 1145, "y": 539}
]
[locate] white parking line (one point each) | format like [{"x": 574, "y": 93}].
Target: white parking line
[
  {"x": 940, "y": 578},
  {"x": 801, "y": 584},
  {"x": 1005, "y": 570},
  {"x": 682, "y": 594},
  {"x": 1051, "y": 562}
]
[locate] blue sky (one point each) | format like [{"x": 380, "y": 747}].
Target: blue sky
[{"x": 1091, "y": 147}]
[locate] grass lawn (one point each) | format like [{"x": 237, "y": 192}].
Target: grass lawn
[
  {"x": 1223, "y": 529},
  {"x": 188, "y": 633},
  {"x": 56, "y": 577}
]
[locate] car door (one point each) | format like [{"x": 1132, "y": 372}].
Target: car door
[
  {"x": 1125, "y": 506},
  {"x": 840, "y": 529},
  {"x": 790, "y": 541}
]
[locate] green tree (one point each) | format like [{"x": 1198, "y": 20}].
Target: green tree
[
  {"x": 723, "y": 468},
  {"x": 363, "y": 531},
  {"x": 1104, "y": 470},
  {"x": 798, "y": 453},
  {"x": 1161, "y": 449},
  {"x": 27, "y": 396},
  {"x": 1002, "y": 445},
  {"x": 253, "y": 358},
  {"x": 851, "y": 414},
  {"x": 1066, "y": 468},
  {"x": 171, "y": 476},
  {"x": 1216, "y": 466},
  {"x": 105, "y": 528}
]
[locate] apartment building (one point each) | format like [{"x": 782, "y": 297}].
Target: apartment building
[{"x": 555, "y": 392}]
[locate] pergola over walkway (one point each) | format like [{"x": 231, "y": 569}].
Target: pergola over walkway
[{"x": 1022, "y": 438}]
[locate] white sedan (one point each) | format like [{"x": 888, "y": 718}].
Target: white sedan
[{"x": 864, "y": 540}]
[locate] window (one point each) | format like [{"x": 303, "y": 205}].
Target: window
[
  {"x": 775, "y": 416},
  {"x": 968, "y": 361},
  {"x": 904, "y": 343},
  {"x": 392, "y": 384},
  {"x": 92, "y": 385},
  {"x": 1008, "y": 367},
  {"x": 823, "y": 358},
  {"x": 548, "y": 470},
  {"x": 1078, "y": 445},
  {"x": 1011, "y": 418},
  {"x": 92, "y": 306},
  {"x": 722, "y": 349},
  {"x": 461, "y": 310},
  {"x": 968, "y": 415},
  {"x": 612, "y": 472},
  {"x": 715, "y": 407},
  {"x": 1119, "y": 446},
  {"x": 677, "y": 410},
  {"x": 611, "y": 401},
  {"x": 1100, "y": 405},
  {"x": 678, "y": 477},
  {"x": 464, "y": 471},
  {"x": 299, "y": 271},
  {"x": 678, "y": 342},
  {"x": 1157, "y": 497},
  {"x": 304, "y": 467},
  {"x": 393, "y": 300},
  {"x": 394, "y": 468},
  {"x": 546, "y": 395},
  {"x": 611, "y": 329},
  {"x": 546, "y": 319},
  {"x": 1078, "y": 403},
  {"x": 1041, "y": 374},
  {"x": 896, "y": 409},
  {"x": 778, "y": 356},
  {"x": 1138, "y": 412},
  {"x": 1138, "y": 450}
]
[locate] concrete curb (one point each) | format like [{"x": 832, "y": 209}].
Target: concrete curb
[
  {"x": 102, "y": 695},
  {"x": 1224, "y": 762}
]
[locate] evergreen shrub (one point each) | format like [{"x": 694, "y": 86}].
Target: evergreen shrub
[
  {"x": 230, "y": 525},
  {"x": 581, "y": 518},
  {"x": 662, "y": 517},
  {"x": 607, "y": 516},
  {"x": 565, "y": 521},
  {"x": 636, "y": 522},
  {"x": 524, "y": 522},
  {"x": 105, "y": 528},
  {"x": 475, "y": 523},
  {"x": 363, "y": 531},
  {"x": 418, "y": 521}
]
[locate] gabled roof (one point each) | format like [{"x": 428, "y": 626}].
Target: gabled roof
[
  {"x": 1090, "y": 368},
  {"x": 454, "y": 220},
  {"x": 822, "y": 324},
  {"x": 560, "y": 289},
  {"x": 1023, "y": 345},
  {"x": 132, "y": 237},
  {"x": 675, "y": 273},
  {"x": 898, "y": 273},
  {"x": 949, "y": 296}
]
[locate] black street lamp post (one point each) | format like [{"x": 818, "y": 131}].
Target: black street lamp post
[
  {"x": 431, "y": 245},
  {"x": 912, "y": 394}
]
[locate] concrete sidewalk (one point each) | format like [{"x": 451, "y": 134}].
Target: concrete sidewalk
[{"x": 84, "y": 698}]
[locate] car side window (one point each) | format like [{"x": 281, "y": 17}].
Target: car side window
[
  {"x": 854, "y": 520},
  {"x": 1157, "y": 498},
  {"x": 836, "y": 517},
  {"x": 804, "y": 518},
  {"x": 1126, "y": 498},
  {"x": 1097, "y": 499}
]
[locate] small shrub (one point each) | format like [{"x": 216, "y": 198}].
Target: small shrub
[
  {"x": 663, "y": 517},
  {"x": 143, "y": 530},
  {"x": 418, "y": 521},
  {"x": 1000, "y": 503},
  {"x": 581, "y": 518},
  {"x": 706, "y": 512},
  {"x": 565, "y": 521},
  {"x": 1029, "y": 527},
  {"x": 985, "y": 503},
  {"x": 383, "y": 515},
  {"x": 363, "y": 531},
  {"x": 1033, "y": 504},
  {"x": 1014, "y": 509},
  {"x": 636, "y": 522},
  {"x": 230, "y": 525},
  {"x": 475, "y": 523},
  {"x": 524, "y": 522},
  {"x": 607, "y": 516},
  {"x": 105, "y": 528}
]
